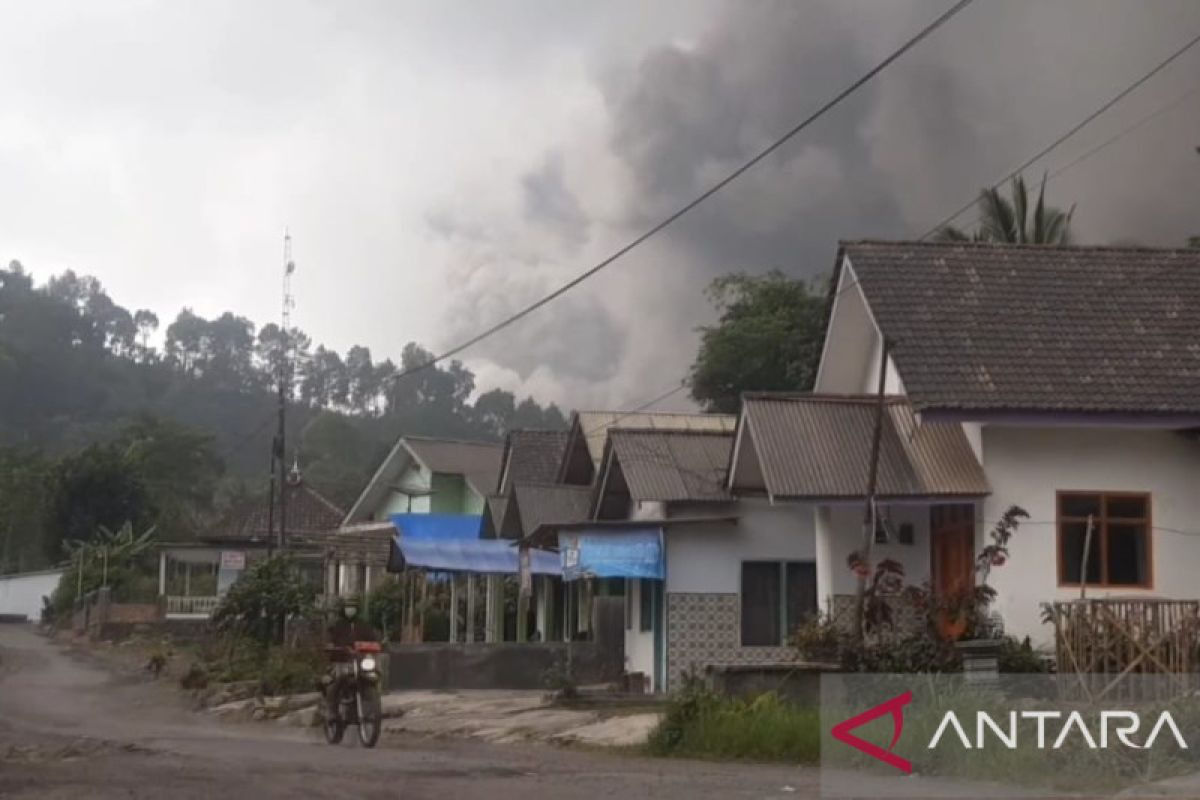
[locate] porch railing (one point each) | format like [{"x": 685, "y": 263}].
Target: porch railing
[{"x": 191, "y": 606}]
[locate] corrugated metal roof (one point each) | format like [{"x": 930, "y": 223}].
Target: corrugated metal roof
[
  {"x": 543, "y": 504},
  {"x": 673, "y": 465},
  {"x": 595, "y": 425},
  {"x": 814, "y": 446}
]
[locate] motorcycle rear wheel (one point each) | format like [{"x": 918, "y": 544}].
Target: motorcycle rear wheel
[
  {"x": 370, "y": 716},
  {"x": 335, "y": 727}
]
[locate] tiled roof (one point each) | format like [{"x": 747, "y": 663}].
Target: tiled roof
[
  {"x": 595, "y": 425},
  {"x": 673, "y": 465},
  {"x": 477, "y": 462},
  {"x": 542, "y": 504},
  {"x": 532, "y": 456},
  {"x": 819, "y": 446},
  {"x": 307, "y": 512},
  {"x": 1038, "y": 328}
]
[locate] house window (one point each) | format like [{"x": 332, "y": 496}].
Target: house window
[
  {"x": 776, "y": 597},
  {"x": 646, "y": 605},
  {"x": 1119, "y": 554}
]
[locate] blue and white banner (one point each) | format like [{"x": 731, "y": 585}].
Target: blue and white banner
[{"x": 607, "y": 553}]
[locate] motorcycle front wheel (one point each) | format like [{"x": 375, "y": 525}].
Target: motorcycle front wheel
[{"x": 370, "y": 715}]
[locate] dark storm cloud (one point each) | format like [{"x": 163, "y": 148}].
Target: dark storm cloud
[
  {"x": 988, "y": 90},
  {"x": 547, "y": 200}
]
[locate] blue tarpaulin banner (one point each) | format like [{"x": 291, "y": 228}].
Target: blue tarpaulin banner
[
  {"x": 451, "y": 543},
  {"x": 437, "y": 526},
  {"x": 485, "y": 556},
  {"x": 606, "y": 553}
]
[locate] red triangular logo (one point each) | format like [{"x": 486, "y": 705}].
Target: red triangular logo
[{"x": 895, "y": 707}]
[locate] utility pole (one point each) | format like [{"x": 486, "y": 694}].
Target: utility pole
[
  {"x": 279, "y": 447},
  {"x": 869, "y": 514}
]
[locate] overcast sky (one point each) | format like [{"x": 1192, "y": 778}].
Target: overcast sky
[{"x": 441, "y": 164}]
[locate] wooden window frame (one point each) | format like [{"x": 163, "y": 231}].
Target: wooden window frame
[{"x": 1101, "y": 539}]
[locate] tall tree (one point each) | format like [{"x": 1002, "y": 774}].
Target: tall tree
[
  {"x": 93, "y": 488},
  {"x": 768, "y": 338},
  {"x": 1010, "y": 221},
  {"x": 146, "y": 322},
  {"x": 360, "y": 373},
  {"x": 22, "y": 509},
  {"x": 179, "y": 469}
]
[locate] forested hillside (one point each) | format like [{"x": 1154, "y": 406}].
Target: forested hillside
[{"x": 93, "y": 413}]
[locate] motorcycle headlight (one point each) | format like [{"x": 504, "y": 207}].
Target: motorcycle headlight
[{"x": 368, "y": 664}]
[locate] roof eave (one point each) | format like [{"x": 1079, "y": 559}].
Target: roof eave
[{"x": 1053, "y": 417}]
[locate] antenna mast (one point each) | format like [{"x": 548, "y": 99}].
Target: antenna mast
[{"x": 285, "y": 386}]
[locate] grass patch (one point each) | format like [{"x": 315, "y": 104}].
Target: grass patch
[{"x": 702, "y": 724}]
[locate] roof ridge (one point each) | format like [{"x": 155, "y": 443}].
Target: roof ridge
[
  {"x": 824, "y": 397},
  {"x": 654, "y": 413},
  {"x": 1076, "y": 248},
  {"x": 549, "y": 485},
  {"x": 670, "y": 431},
  {"x": 449, "y": 440}
]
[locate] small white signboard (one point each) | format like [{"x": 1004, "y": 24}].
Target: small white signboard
[{"x": 233, "y": 559}]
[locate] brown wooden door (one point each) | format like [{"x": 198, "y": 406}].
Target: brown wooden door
[{"x": 952, "y": 548}]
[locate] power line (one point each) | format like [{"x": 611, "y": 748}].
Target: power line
[
  {"x": 1171, "y": 106},
  {"x": 639, "y": 408},
  {"x": 1069, "y": 133},
  {"x": 716, "y": 187}
]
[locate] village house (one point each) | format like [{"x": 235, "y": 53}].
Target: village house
[
  {"x": 419, "y": 475},
  {"x": 1069, "y": 375},
  {"x": 193, "y": 576},
  {"x": 1065, "y": 381}
]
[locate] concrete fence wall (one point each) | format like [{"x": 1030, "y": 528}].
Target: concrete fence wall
[
  {"x": 98, "y": 616},
  {"x": 499, "y": 665}
]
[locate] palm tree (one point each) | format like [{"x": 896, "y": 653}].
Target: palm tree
[{"x": 1008, "y": 221}]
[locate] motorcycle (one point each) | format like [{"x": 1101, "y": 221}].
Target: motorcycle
[{"x": 358, "y": 700}]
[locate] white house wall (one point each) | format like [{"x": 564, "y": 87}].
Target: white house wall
[
  {"x": 415, "y": 479},
  {"x": 708, "y": 558},
  {"x": 703, "y": 588},
  {"x": 1027, "y": 466},
  {"x": 853, "y": 346},
  {"x": 639, "y": 645},
  {"x": 23, "y": 593},
  {"x": 844, "y": 525}
]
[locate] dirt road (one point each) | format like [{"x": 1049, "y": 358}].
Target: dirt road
[{"x": 70, "y": 728}]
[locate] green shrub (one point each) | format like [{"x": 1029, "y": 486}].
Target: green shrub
[
  {"x": 1020, "y": 657},
  {"x": 259, "y": 604},
  {"x": 385, "y": 609},
  {"x": 701, "y": 723},
  {"x": 903, "y": 652},
  {"x": 291, "y": 670}
]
